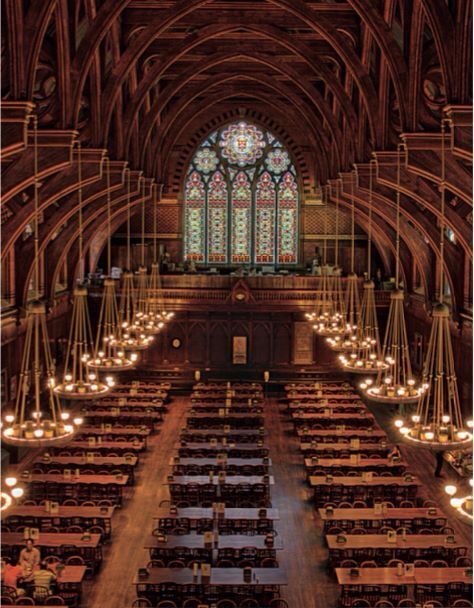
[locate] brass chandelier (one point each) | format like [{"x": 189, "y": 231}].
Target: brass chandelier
[
  {"x": 395, "y": 384},
  {"x": 321, "y": 300},
  {"x": 332, "y": 318},
  {"x": 79, "y": 381},
  {"x": 438, "y": 422},
  {"x": 9, "y": 493},
  {"x": 38, "y": 419},
  {"x": 348, "y": 340},
  {"x": 109, "y": 355},
  {"x": 133, "y": 333},
  {"x": 365, "y": 357},
  {"x": 156, "y": 309}
]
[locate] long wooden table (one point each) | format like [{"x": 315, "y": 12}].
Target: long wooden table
[
  {"x": 234, "y": 480},
  {"x": 196, "y": 513},
  {"x": 232, "y": 435},
  {"x": 248, "y": 450},
  {"x": 58, "y": 543},
  {"x": 99, "y": 446},
  {"x": 361, "y": 463},
  {"x": 37, "y": 516},
  {"x": 389, "y": 576},
  {"x": 232, "y": 577},
  {"x": 345, "y": 433},
  {"x": 111, "y": 464},
  {"x": 115, "y": 430},
  {"x": 371, "y": 521},
  {"x": 314, "y": 447},
  {"x": 83, "y": 487},
  {"x": 221, "y": 541}
]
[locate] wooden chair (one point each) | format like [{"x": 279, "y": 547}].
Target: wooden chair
[
  {"x": 226, "y": 603},
  {"x": 166, "y": 604},
  {"x": 40, "y": 594},
  {"x": 55, "y": 600},
  {"x": 278, "y": 602},
  {"x": 155, "y": 563},
  {"x": 384, "y": 604},
  {"x": 463, "y": 562},
  {"x": 192, "y": 602},
  {"x": 462, "y": 604},
  {"x": 24, "y": 601},
  {"x": 248, "y": 603},
  {"x": 369, "y": 564},
  {"x": 406, "y": 603},
  {"x": 141, "y": 602},
  {"x": 360, "y": 603}
]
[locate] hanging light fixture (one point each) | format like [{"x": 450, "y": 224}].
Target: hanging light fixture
[
  {"x": 463, "y": 504},
  {"x": 133, "y": 333},
  {"x": 38, "y": 420},
  {"x": 79, "y": 381},
  {"x": 156, "y": 309},
  {"x": 109, "y": 355},
  {"x": 9, "y": 493},
  {"x": 331, "y": 321},
  {"x": 313, "y": 316},
  {"x": 395, "y": 384},
  {"x": 438, "y": 423},
  {"x": 365, "y": 357},
  {"x": 348, "y": 340},
  {"x": 142, "y": 321}
]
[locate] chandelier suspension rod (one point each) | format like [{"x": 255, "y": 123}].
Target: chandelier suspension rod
[
  {"x": 369, "y": 241},
  {"x": 109, "y": 227},
  {"x": 336, "y": 248},
  {"x": 36, "y": 280},
  {"x": 443, "y": 206},
  {"x": 155, "y": 222},
  {"x": 143, "y": 223},
  {"x": 325, "y": 193},
  {"x": 79, "y": 204},
  {"x": 397, "y": 236},
  {"x": 353, "y": 224},
  {"x": 128, "y": 222}
]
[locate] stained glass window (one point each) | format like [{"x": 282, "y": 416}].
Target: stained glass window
[{"x": 241, "y": 199}]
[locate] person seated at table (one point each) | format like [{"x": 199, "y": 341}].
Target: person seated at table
[
  {"x": 42, "y": 578},
  {"x": 394, "y": 453},
  {"x": 11, "y": 574},
  {"x": 30, "y": 557}
]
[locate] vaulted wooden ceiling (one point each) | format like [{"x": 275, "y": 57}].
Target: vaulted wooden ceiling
[{"x": 142, "y": 81}]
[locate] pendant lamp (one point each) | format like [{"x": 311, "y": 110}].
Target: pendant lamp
[
  {"x": 79, "y": 381},
  {"x": 347, "y": 341},
  {"x": 134, "y": 337},
  {"x": 437, "y": 422},
  {"x": 156, "y": 309},
  {"x": 365, "y": 357},
  {"x": 395, "y": 384},
  {"x": 332, "y": 320},
  {"x": 109, "y": 355},
  {"x": 38, "y": 419}
]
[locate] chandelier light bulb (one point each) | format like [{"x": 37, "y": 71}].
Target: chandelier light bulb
[
  {"x": 450, "y": 490},
  {"x": 10, "y": 481},
  {"x": 17, "y": 492}
]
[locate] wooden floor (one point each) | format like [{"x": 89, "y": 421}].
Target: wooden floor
[{"x": 304, "y": 557}]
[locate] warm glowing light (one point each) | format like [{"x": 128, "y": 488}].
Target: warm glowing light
[
  {"x": 17, "y": 492},
  {"x": 450, "y": 490},
  {"x": 10, "y": 481}
]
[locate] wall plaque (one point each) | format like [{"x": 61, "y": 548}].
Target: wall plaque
[
  {"x": 239, "y": 350},
  {"x": 302, "y": 343}
]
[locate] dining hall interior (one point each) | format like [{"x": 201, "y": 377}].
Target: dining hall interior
[{"x": 236, "y": 303}]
